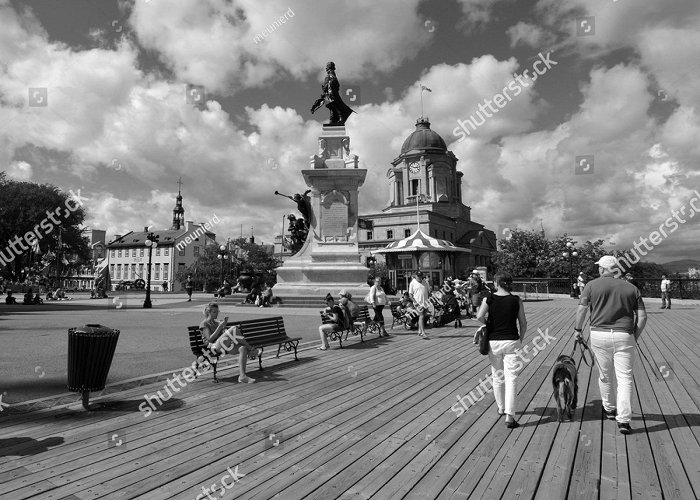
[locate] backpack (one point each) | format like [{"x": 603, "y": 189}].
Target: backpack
[
  {"x": 345, "y": 319},
  {"x": 354, "y": 309}
]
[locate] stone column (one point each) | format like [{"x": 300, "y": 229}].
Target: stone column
[{"x": 330, "y": 257}]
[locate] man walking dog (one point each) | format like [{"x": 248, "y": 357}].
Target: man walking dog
[{"x": 618, "y": 317}]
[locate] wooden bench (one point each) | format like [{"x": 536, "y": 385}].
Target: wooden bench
[
  {"x": 360, "y": 325},
  {"x": 259, "y": 333}
]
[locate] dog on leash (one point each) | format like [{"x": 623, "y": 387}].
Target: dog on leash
[{"x": 565, "y": 385}]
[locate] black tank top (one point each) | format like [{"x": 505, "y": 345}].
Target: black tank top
[{"x": 503, "y": 317}]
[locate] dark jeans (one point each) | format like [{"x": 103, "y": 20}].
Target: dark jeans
[{"x": 378, "y": 316}]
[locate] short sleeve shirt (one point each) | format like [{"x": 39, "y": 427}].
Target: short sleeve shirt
[
  {"x": 418, "y": 293},
  {"x": 612, "y": 302}
]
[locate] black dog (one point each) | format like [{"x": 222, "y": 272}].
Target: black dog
[{"x": 565, "y": 385}]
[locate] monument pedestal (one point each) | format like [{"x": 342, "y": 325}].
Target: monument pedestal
[{"x": 330, "y": 257}]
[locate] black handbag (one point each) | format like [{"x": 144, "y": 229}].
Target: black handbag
[{"x": 484, "y": 342}]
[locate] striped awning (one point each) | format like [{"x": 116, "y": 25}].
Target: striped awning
[{"x": 421, "y": 242}]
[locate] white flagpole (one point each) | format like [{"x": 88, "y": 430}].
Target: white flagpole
[
  {"x": 421, "y": 101},
  {"x": 417, "y": 212}
]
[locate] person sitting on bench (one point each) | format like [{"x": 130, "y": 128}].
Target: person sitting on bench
[
  {"x": 336, "y": 315},
  {"x": 219, "y": 340},
  {"x": 406, "y": 308}
]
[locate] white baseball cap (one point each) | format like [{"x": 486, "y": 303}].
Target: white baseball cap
[
  {"x": 475, "y": 272},
  {"x": 607, "y": 261}
]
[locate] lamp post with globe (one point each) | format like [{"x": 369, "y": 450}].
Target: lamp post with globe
[
  {"x": 151, "y": 242},
  {"x": 223, "y": 253},
  {"x": 570, "y": 255}
]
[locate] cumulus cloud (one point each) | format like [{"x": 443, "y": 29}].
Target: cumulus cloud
[
  {"x": 213, "y": 42},
  {"x": 528, "y": 34}
]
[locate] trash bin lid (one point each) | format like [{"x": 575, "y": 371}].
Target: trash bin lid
[{"x": 94, "y": 328}]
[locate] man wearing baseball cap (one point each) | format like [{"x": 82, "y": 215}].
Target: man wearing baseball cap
[{"x": 618, "y": 317}]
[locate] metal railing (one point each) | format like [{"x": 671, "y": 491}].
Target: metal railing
[{"x": 681, "y": 288}]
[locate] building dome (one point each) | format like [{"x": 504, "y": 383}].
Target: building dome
[{"x": 423, "y": 138}]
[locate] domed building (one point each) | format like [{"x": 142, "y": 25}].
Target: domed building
[{"x": 425, "y": 188}]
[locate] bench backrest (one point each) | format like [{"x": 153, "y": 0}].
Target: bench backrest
[
  {"x": 196, "y": 342},
  {"x": 262, "y": 330},
  {"x": 363, "y": 315}
]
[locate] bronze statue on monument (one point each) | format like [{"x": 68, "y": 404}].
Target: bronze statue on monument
[{"x": 330, "y": 96}]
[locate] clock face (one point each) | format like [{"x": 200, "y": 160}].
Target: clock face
[{"x": 414, "y": 167}]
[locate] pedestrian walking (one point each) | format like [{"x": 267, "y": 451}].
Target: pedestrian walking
[
  {"x": 189, "y": 286},
  {"x": 419, "y": 295},
  {"x": 665, "y": 292},
  {"x": 581, "y": 282},
  {"x": 505, "y": 314},
  {"x": 377, "y": 297},
  {"x": 618, "y": 318}
]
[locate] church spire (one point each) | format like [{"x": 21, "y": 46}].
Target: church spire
[{"x": 178, "y": 211}]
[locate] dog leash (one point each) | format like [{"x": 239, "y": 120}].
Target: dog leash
[{"x": 583, "y": 345}]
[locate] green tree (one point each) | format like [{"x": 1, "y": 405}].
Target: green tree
[{"x": 40, "y": 212}]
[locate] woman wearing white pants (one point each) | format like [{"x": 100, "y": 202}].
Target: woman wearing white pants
[{"x": 505, "y": 312}]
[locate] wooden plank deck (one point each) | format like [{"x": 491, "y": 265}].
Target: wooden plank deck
[{"x": 374, "y": 420}]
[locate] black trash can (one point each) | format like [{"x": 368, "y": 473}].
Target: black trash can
[{"x": 90, "y": 353}]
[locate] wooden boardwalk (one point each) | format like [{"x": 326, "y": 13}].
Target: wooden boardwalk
[{"x": 375, "y": 421}]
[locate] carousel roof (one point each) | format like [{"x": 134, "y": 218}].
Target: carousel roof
[{"x": 421, "y": 242}]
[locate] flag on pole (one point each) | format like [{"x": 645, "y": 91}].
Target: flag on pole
[{"x": 423, "y": 87}]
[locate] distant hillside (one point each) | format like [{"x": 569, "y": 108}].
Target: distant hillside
[{"x": 681, "y": 266}]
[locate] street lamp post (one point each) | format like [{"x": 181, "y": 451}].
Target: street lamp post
[
  {"x": 569, "y": 255},
  {"x": 223, "y": 252},
  {"x": 151, "y": 242}
]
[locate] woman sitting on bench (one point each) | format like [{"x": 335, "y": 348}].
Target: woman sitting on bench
[{"x": 219, "y": 340}]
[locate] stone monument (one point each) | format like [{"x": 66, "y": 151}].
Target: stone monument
[{"x": 330, "y": 257}]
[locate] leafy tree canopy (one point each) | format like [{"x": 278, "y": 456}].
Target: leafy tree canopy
[{"x": 39, "y": 212}]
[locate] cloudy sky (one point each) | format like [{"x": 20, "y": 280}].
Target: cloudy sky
[{"x": 93, "y": 97}]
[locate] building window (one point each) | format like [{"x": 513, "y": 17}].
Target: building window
[
  {"x": 111, "y": 270},
  {"x": 390, "y": 234},
  {"x": 119, "y": 252},
  {"x": 443, "y": 235},
  {"x": 141, "y": 271},
  {"x": 181, "y": 267},
  {"x": 111, "y": 253},
  {"x": 142, "y": 250},
  {"x": 157, "y": 250},
  {"x": 119, "y": 271},
  {"x": 157, "y": 266},
  {"x": 370, "y": 235},
  {"x": 182, "y": 251},
  {"x": 414, "y": 187},
  {"x": 406, "y": 233},
  {"x": 165, "y": 271},
  {"x": 133, "y": 271},
  {"x": 166, "y": 251},
  {"x": 196, "y": 251},
  {"x": 133, "y": 252}
]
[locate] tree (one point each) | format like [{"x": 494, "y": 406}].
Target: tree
[
  {"x": 246, "y": 258},
  {"x": 44, "y": 215},
  {"x": 525, "y": 254}
]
